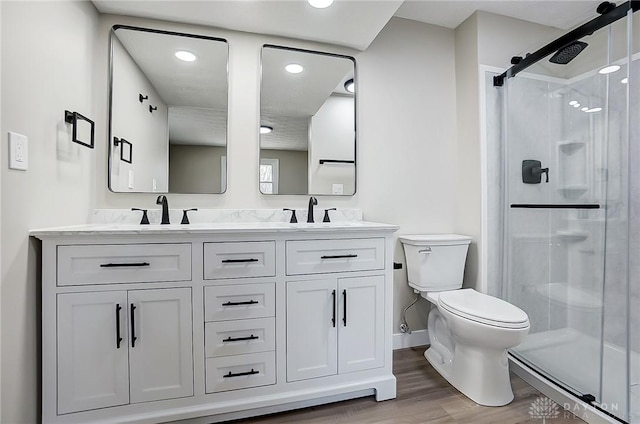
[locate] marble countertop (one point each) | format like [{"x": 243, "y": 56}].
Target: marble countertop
[{"x": 209, "y": 228}]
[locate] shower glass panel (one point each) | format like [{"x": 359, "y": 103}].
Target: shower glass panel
[{"x": 566, "y": 218}]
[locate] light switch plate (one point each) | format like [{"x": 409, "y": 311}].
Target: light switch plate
[
  {"x": 18, "y": 151},
  {"x": 130, "y": 179},
  {"x": 337, "y": 189}
]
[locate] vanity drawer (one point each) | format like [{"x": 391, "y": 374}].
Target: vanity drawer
[
  {"x": 226, "y": 338},
  {"x": 239, "y": 301},
  {"x": 322, "y": 256},
  {"x": 123, "y": 263},
  {"x": 239, "y": 260},
  {"x": 240, "y": 371}
]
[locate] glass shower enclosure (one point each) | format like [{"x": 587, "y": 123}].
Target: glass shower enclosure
[{"x": 571, "y": 216}]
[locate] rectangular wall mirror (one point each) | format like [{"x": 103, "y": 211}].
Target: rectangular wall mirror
[
  {"x": 307, "y": 122},
  {"x": 168, "y": 112}
]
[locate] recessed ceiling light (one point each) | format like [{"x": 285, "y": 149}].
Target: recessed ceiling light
[
  {"x": 350, "y": 86},
  {"x": 573, "y": 102},
  {"x": 609, "y": 69},
  {"x": 185, "y": 56},
  {"x": 320, "y": 4},
  {"x": 265, "y": 129},
  {"x": 595, "y": 109},
  {"x": 624, "y": 80},
  {"x": 294, "y": 68}
]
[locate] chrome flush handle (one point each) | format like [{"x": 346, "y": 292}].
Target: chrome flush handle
[{"x": 425, "y": 251}]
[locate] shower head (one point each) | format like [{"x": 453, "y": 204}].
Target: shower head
[{"x": 567, "y": 53}]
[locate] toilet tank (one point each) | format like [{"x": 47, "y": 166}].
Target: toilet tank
[{"x": 435, "y": 262}]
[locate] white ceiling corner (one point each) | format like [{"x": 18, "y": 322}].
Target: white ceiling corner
[
  {"x": 350, "y": 23},
  {"x": 564, "y": 14}
]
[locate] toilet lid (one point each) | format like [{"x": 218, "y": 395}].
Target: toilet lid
[{"x": 483, "y": 308}]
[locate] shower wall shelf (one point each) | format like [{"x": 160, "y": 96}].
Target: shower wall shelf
[
  {"x": 572, "y": 236},
  {"x": 570, "y": 146},
  {"x": 573, "y": 191}
]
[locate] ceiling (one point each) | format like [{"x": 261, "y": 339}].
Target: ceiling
[
  {"x": 560, "y": 14},
  {"x": 350, "y": 23}
]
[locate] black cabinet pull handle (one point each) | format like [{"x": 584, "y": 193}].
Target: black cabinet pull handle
[
  {"x": 249, "y": 302},
  {"x": 239, "y": 339},
  {"x": 112, "y": 265},
  {"x": 133, "y": 326},
  {"x": 344, "y": 313},
  {"x": 333, "y": 300},
  {"x": 338, "y": 256},
  {"x": 118, "y": 338},
  {"x": 240, "y": 374},
  {"x": 235, "y": 261}
]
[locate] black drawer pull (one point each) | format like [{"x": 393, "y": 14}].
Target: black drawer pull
[
  {"x": 112, "y": 265},
  {"x": 344, "y": 314},
  {"x": 133, "y": 326},
  {"x": 241, "y": 374},
  {"x": 338, "y": 256},
  {"x": 118, "y": 338},
  {"x": 249, "y": 302},
  {"x": 239, "y": 339},
  {"x": 333, "y": 300},
  {"x": 237, "y": 261}
]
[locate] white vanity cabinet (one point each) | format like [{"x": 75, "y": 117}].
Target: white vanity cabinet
[
  {"x": 203, "y": 324},
  {"x": 120, "y": 347},
  {"x": 334, "y": 326}
]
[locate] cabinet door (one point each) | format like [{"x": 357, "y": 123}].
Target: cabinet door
[
  {"x": 160, "y": 344},
  {"x": 93, "y": 367},
  {"x": 311, "y": 329},
  {"x": 361, "y": 324}
]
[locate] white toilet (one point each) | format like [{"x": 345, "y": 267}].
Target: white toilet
[{"x": 469, "y": 332}]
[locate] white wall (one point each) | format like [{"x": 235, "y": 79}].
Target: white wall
[
  {"x": 407, "y": 133},
  {"x": 148, "y": 132},
  {"x": 50, "y": 49},
  {"x": 292, "y": 169},
  {"x": 2, "y": 156},
  {"x": 195, "y": 168},
  {"x": 331, "y": 135}
]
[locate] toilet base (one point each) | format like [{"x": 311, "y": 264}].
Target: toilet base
[{"x": 480, "y": 374}]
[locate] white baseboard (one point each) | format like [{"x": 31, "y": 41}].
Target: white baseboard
[{"x": 416, "y": 338}]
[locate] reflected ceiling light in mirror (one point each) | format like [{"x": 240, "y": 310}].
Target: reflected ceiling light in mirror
[
  {"x": 584, "y": 109},
  {"x": 320, "y": 4},
  {"x": 350, "y": 86},
  {"x": 609, "y": 69},
  {"x": 265, "y": 129},
  {"x": 576, "y": 104},
  {"x": 294, "y": 68},
  {"x": 595, "y": 109},
  {"x": 573, "y": 102},
  {"x": 624, "y": 80},
  {"x": 185, "y": 56}
]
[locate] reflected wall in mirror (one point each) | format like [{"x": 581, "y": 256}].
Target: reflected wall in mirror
[
  {"x": 168, "y": 109},
  {"x": 307, "y": 122}
]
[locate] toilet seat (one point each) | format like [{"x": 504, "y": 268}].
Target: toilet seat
[{"x": 479, "y": 307}]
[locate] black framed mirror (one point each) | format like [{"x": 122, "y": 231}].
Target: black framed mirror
[
  {"x": 307, "y": 122},
  {"x": 168, "y": 99}
]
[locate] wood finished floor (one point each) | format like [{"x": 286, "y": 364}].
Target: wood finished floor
[{"x": 423, "y": 396}]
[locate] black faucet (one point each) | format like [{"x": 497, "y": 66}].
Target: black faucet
[
  {"x": 162, "y": 200},
  {"x": 312, "y": 202}
]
